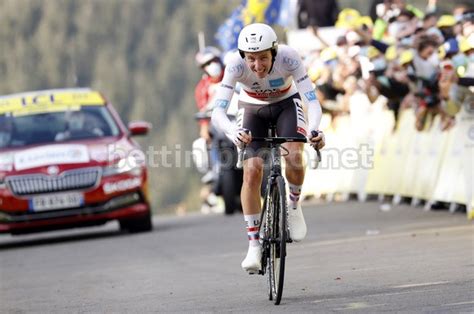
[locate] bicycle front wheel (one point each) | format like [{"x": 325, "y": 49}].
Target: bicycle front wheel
[{"x": 278, "y": 237}]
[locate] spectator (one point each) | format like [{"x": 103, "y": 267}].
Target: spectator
[
  {"x": 405, "y": 68},
  {"x": 80, "y": 125},
  {"x": 404, "y": 25},
  {"x": 456, "y": 80},
  {"x": 391, "y": 81},
  {"x": 467, "y": 23},
  {"x": 430, "y": 20},
  {"x": 209, "y": 61},
  {"x": 373, "y": 8},
  {"x": 425, "y": 63}
]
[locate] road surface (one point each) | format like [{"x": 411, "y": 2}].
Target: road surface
[{"x": 356, "y": 259}]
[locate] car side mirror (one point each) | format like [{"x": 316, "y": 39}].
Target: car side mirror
[{"x": 139, "y": 128}]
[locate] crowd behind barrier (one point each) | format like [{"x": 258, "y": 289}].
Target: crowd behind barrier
[
  {"x": 397, "y": 92},
  {"x": 429, "y": 166}
]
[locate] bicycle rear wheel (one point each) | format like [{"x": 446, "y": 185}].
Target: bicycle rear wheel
[{"x": 278, "y": 237}]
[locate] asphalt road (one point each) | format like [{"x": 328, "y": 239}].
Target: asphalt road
[{"x": 356, "y": 259}]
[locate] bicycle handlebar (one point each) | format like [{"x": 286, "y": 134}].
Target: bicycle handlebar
[{"x": 279, "y": 140}]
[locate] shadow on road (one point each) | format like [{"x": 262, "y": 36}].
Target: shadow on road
[
  {"x": 160, "y": 224},
  {"x": 47, "y": 239}
]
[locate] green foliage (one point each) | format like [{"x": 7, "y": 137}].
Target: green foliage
[{"x": 139, "y": 53}]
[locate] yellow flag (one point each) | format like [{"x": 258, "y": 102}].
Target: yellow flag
[{"x": 254, "y": 11}]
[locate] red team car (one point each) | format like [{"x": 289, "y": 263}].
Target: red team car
[{"x": 67, "y": 160}]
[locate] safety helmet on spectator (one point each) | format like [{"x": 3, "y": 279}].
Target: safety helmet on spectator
[
  {"x": 257, "y": 37},
  {"x": 446, "y": 21},
  {"x": 328, "y": 54},
  {"x": 391, "y": 53},
  {"x": 467, "y": 44},
  {"x": 348, "y": 18},
  {"x": 406, "y": 57},
  {"x": 207, "y": 55},
  {"x": 372, "y": 52}
]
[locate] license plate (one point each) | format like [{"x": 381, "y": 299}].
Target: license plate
[{"x": 56, "y": 201}]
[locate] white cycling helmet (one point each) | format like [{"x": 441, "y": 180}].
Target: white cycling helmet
[
  {"x": 257, "y": 37},
  {"x": 207, "y": 55}
]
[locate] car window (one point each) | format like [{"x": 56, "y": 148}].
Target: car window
[{"x": 85, "y": 122}]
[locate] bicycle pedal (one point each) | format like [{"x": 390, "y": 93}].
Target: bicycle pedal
[{"x": 254, "y": 272}]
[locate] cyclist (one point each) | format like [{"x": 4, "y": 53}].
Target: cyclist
[{"x": 270, "y": 77}]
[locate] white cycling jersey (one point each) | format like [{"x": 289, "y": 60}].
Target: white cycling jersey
[{"x": 287, "y": 77}]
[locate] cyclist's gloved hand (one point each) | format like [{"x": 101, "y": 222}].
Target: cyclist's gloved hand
[
  {"x": 241, "y": 137},
  {"x": 317, "y": 139}
]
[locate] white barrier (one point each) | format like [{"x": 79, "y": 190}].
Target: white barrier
[
  {"x": 455, "y": 182},
  {"x": 430, "y": 165}
]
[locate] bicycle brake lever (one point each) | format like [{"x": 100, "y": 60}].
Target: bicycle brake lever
[{"x": 240, "y": 158}]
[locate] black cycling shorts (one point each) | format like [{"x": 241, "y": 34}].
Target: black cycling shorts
[{"x": 287, "y": 115}]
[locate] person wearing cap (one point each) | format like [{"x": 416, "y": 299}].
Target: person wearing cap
[
  {"x": 459, "y": 90},
  {"x": 327, "y": 89},
  {"x": 388, "y": 78},
  {"x": 426, "y": 65},
  {"x": 449, "y": 54},
  {"x": 446, "y": 25},
  {"x": 273, "y": 82}
]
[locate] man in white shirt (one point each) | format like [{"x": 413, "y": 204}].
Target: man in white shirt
[{"x": 272, "y": 78}]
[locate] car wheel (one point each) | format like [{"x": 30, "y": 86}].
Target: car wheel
[{"x": 142, "y": 224}]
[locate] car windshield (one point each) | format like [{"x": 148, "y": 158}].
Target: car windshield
[{"x": 76, "y": 123}]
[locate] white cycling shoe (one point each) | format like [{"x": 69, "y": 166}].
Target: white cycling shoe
[
  {"x": 252, "y": 262},
  {"x": 296, "y": 224}
]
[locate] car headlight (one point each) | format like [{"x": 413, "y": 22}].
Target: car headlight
[
  {"x": 125, "y": 165},
  {"x": 3, "y": 185}
]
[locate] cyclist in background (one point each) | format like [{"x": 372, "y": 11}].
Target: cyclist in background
[{"x": 272, "y": 78}]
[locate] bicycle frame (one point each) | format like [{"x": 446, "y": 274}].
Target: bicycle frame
[
  {"x": 274, "y": 215},
  {"x": 267, "y": 217}
]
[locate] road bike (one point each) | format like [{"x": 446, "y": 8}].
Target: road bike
[{"x": 274, "y": 233}]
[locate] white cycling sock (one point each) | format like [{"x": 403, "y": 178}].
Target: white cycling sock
[
  {"x": 253, "y": 223},
  {"x": 295, "y": 192}
]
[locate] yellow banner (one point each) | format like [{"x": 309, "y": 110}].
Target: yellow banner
[{"x": 48, "y": 101}]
